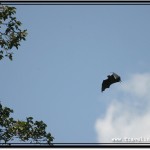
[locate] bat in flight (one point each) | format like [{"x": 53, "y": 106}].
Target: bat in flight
[{"x": 111, "y": 79}]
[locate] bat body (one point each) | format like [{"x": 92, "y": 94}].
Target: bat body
[{"x": 111, "y": 79}]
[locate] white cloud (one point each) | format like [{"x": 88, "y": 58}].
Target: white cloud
[
  {"x": 124, "y": 118},
  {"x": 138, "y": 84}
]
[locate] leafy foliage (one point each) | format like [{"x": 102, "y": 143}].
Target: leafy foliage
[
  {"x": 10, "y": 129},
  {"x": 10, "y": 32},
  {"x": 29, "y": 130}
]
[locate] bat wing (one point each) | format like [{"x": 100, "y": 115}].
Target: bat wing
[{"x": 105, "y": 84}]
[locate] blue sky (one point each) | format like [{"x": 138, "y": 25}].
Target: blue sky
[{"x": 56, "y": 74}]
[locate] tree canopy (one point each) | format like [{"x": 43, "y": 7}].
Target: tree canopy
[
  {"x": 28, "y": 130},
  {"x": 11, "y": 33}
]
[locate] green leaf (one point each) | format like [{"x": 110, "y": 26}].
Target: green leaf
[
  {"x": 7, "y": 30},
  {"x": 10, "y": 57},
  {"x": 1, "y": 57},
  {"x": 1, "y": 52},
  {"x": 18, "y": 23}
]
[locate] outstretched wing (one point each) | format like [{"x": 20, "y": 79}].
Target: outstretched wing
[{"x": 105, "y": 84}]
